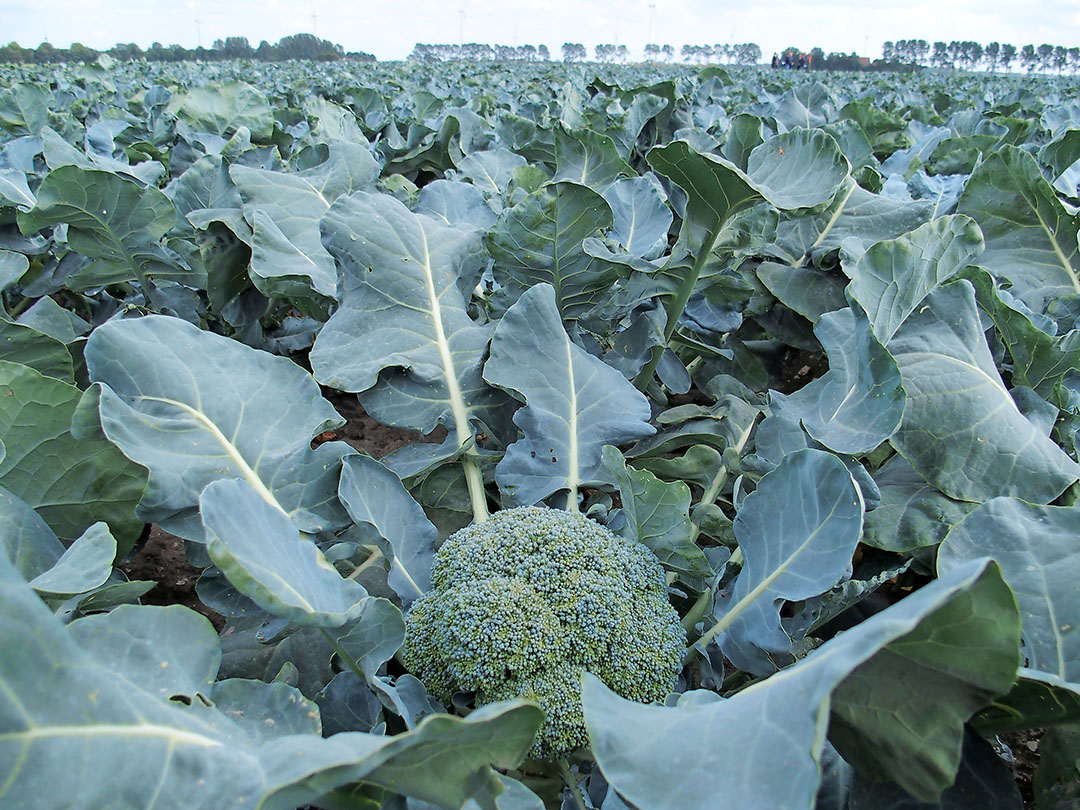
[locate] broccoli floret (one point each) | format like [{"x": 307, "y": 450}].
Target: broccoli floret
[{"x": 524, "y": 602}]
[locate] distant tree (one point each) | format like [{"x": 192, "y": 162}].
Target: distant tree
[
  {"x": 308, "y": 46},
  {"x": 237, "y": 48},
  {"x": 669, "y": 53},
  {"x": 972, "y": 54},
  {"x": 1028, "y": 58},
  {"x": 623, "y": 54},
  {"x": 80, "y": 53},
  {"x": 1074, "y": 60},
  {"x": 1008, "y": 54},
  {"x": 265, "y": 52},
  {"x": 889, "y": 52},
  {"x": 817, "y": 58},
  {"x": 687, "y": 52},
  {"x": 748, "y": 53},
  {"x": 1045, "y": 56},
  {"x": 991, "y": 54},
  {"x": 939, "y": 57},
  {"x": 1060, "y": 58},
  {"x": 573, "y": 52},
  {"x": 652, "y": 52},
  {"x": 543, "y": 54}
]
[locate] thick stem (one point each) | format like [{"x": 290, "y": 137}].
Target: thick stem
[
  {"x": 474, "y": 479},
  {"x": 677, "y": 304},
  {"x": 717, "y": 483},
  {"x": 344, "y": 656},
  {"x": 568, "y": 777}
]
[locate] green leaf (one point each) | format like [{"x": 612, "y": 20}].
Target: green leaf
[
  {"x": 736, "y": 747},
  {"x": 641, "y": 217},
  {"x": 164, "y": 651},
  {"x": 658, "y": 516},
  {"x": 375, "y": 497},
  {"x": 112, "y": 220},
  {"x": 402, "y": 335},
  {"x": 802, "y": 168},
  {"x": 1030, "y": 236},
  {"x": 858, "y": 403},
  {"x": 108, "y": 718},
  {"x": 809, "y": 292},
  {"x": 376, "y": 637},
  {"x": 798, "y": 557},
  {"x": 961, "y": 430},
  {"x": 261, "y": 553},
  {"x": 856, "y": 219},
  {"x": 912, "y": 514},
  {"x": 491, "y": 171},
  {"x": 284, "y": 209},
  {"x": 29, "y": 543},
  {"x": 14, "y": 191},
  {"x": 1039, "y": 360},
  {"x": 539, "y": 241},
  {"x": 575, "y": 403},
  {"x": 72, "y": 483},
  {"x": 12, "y": 267},
  {"x": 588, "y": 158},
  {"x": 894, "y": 276},
  {"x": 84, "y": 566},
  {"x": 29, "y": 347},
  {"x": 1036, "y": 549},
  {"x": 223, "y": 108},
  {"x": 193, "y": 407}
]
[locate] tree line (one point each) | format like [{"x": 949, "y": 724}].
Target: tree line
[
  {"x": 971, "y": 55},
  {"x": 479, "y": 52},
  {"x": 297, "y": 46}
]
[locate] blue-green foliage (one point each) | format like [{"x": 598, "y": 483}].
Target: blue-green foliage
[{"x": 524, "y": 602}]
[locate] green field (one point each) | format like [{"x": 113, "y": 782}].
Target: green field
[{"x": 749, "y": 401}]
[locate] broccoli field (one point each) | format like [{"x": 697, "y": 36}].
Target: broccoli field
[{"x": 538, "y": 435}]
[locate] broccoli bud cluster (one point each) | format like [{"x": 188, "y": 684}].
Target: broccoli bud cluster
[{"x": 524, "y": 602}]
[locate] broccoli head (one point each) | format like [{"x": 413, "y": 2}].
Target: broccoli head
[{"x": 523, "y": 603}]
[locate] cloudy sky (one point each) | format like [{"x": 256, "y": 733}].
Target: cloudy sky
[{"x": 389, "y": 30}]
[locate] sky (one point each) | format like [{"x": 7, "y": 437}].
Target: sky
[{"x": 389, "y": 30}]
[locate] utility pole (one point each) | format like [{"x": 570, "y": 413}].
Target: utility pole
[
  {"x": 652, "y": 20},
  {"x": 315, "y": 24},
  {"x": 198, "y": 34}
]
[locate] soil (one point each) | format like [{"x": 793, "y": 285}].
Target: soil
[
  {"x": 1025, "y": 750},
  {"x": 799, "y": 367}
]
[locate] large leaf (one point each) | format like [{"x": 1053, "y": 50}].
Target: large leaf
[
  {"x": 112, "y": 220},
  {"x": 736, "y": 748},
  {"x": 193, "y": 407},
  {"x": 402, "y": 334},
  {"x": 85, "y": 565},
  {"x": 856, "y": 219},
  {"x": 575, "y": 403},
  {"x": 1037, "y": 550},
  {"x": 1030, "y": 236},
  {"x": 376, "y": 498},
  {"x": 261, "y": 553},
  {"x": 800, "y": 556},
  {"x": 641, "y": 217},
  {"x": 539, "y": 241},
  {"x": 72, "y": 483},
  {"x": 802, "y": 168},
  {"x": 894, "y": 276},
  {"x": 858, "y": 403},
  {"x": 104, "y": 712},
  {"x": 962, "y": 431},
  {"x": 223, "y": 108},
  {"x": 911, "y": 514},
  {"x": 588, "y": 158}
]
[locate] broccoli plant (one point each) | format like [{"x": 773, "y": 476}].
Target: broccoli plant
[{"x": 526, "y": 601}]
